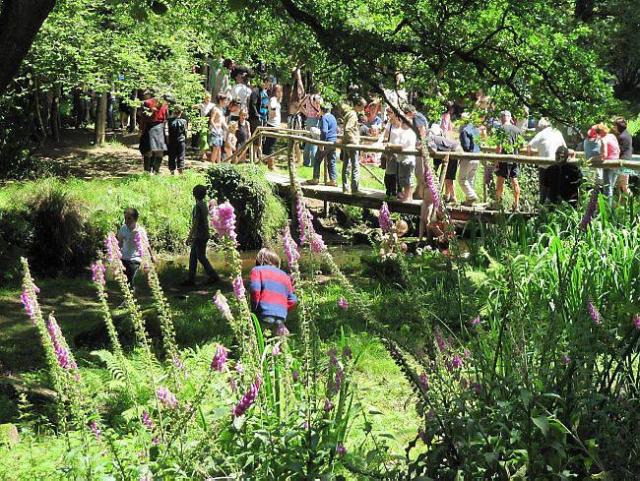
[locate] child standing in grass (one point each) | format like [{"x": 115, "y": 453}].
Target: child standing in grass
[
  {"x": 131, "y": 257},
  {"x": 199, "y": 237},
  {"x": 177, "y": 141},
  {"x": 272, "y": 295}
]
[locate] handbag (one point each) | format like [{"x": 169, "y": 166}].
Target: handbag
[{"x": 386, "y": 156}]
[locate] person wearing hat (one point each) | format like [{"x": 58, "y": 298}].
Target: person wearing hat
[
  {"x": 328, "y": 133},
  {"x": 508, "y": 170}
]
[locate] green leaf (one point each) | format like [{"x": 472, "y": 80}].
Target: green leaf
[{"x": 543, "y": 424}]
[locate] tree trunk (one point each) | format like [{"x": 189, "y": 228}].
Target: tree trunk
[
  {"x": 20, "y": 21},
  {"x": 101, "y": 119},
  {"x": 54, "y": 117}
]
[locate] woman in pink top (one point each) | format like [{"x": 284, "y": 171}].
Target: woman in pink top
[
  {"x": 610, "y": 151},
  {"x": 445, "y": 122}
]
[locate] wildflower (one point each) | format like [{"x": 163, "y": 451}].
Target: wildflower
[
  {"x": 302, "y": 217},
  {"x": 177, "y": 362},
  {"x": 431, "y": 185},
  {"x": 636, "y": 321},
  {"x": 62, "y": 353},
  {"x": 146, "y": 420},
  {"x": 333, "y": 356},
  {"x": 238, "y": 288},
  {"x": 384, "y": 218},
  {"x": 166, "y": 397},
  {"x": 337, "y": 383},
  {"x": 281, "y": 330},
  {"x": 466, "y": 353},
  {"x": 95, "y": 430},
  {"x": 566, "y": 359},
  {"x": 98, "y": 273},
  {"x": 276, "y": 349},
  {"x": 328, "y": 405},
  {"x": 142, "y": 241},
  {"x": 475, "y": 321},
  {"x": 223, "y": 220},
  {"x": 113, "y": 248},
  {"x": 594, "y": 313},
  {"x": 590, "y": 212},
  {"x": 290, "y": 247},
  {"x": 223, "y": 306},
  {"x": 29, "y": 305},
  {"x": 442, "y": 343},
  {"x": 295, "y": 375},
  {"x": 456, "y": 362},
  {"x": 219, "y": 359},
  {"x": 341, "y": 450},
  {"x": 343, "y": 304},
  {"x": 346, "y": 352},
  {"x": 239, "y": 367},
  {"x": 424, "y": 381},
  {"x": 476, "y": 388},
  {"x": 317, "y": 244},
  {"x": 248, "y": 399}
]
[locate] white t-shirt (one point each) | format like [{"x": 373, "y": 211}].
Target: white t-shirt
[
  {"x": 408, "y": 139},
  {"x": 275, "y": 116},
  {"x": 129, "y": 247},
  {"x": 241, "y": 93},
  {"x": 205, "y": 109},
  {"x": 547, "y": 141}
]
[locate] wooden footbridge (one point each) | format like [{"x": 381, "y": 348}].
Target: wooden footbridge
[{"x": 373, "y": 198}]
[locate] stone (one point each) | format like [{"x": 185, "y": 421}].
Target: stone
[{"x": 9, "y": 434}]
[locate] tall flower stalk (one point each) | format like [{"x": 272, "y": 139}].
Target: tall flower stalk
[{"x": 98, "y": 272}]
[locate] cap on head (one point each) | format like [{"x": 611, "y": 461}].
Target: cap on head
[
  {"x": 506, "y": 114},
  {"x": 543, "y": 123}
]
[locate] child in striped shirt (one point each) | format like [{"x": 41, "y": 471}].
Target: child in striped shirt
[{"x": 272, "y": 295}]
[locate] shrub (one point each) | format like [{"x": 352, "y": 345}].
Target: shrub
[{"x": 260, "y": 213}]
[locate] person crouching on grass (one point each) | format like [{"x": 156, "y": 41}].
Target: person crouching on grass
[{"x": 272, "y": 295}]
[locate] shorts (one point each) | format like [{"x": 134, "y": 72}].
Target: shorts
[
  {"x": 452, "y": 168},
  {"x": 507, "y": 170},
  {"x": 405, "y": 174},
  {"x": 215, "y": 138}
]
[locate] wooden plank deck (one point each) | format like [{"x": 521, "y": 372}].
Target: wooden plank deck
[{"x": 373, "y": 198}]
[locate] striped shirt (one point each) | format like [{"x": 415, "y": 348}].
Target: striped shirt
[{"x": 271, "y": 292}]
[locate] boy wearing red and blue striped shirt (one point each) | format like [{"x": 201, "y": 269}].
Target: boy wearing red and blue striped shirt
[{"x": 272, "y": 295}]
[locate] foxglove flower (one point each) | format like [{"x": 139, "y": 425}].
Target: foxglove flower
[
  {"x": 317, "y": 244},
  {"x": 566, "y": 359},
  {"x": 142, "y": 241},
  {"x": 431, "y": 185},
  {"x": 341, "y": 450},
  {"x": 302, "y": 218},
  {"x": 29, "y": 305},
  {"x": 328, "y": 406},
  {"x": 424, "y": 381},
  {"x": 112, "y": 248},
  {"x": 456, "y": 362},
  {"x": 177, "y": 362},
  {"x": 248, "y": 399},
  {"x": 239, "y": 367},
  {"x": 346, "y": 352},
  {"x": 594, "y": 314},
  {"x": 146, "y": 420},
  {"x": 475, "y": 321},
  {"x": 238, "y": 288},
  {"x": 333, "y": 356},
  {"x": 384, "y": 219},
  {"x": 98, "y": 273},
  {"x": 95, "y": 430},
  {"x": 62, "y": 353},
  {"x": 295, "y": 375},
  {"x": 281, "y": 330},
  {"x": 290, "y": 247},
  {"x": 275, "y": 351},
  {"x": 223, "y": 306},
  {"x": 343, "y": 304},
  {"x": 223, "y": 220},
  {"x": 166, "y": 397},
  {"x": 636, "y": 321},
  {"x": 337, "y": 383},
  {"x": 592, "y": 210},
  {"x": 219, "y": 359}
]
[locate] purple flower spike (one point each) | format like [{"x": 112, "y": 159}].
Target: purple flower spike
[
  {"x": 223, "y": 220},
  {"x": 62, "y": 353},
  {"x": 456, "y": 362},
  {"x": 566, "y": 359},
  {"x": 295, "y": 375},
  {"x": 475, "y": 321},
  {"x": 328, "y": 405},
  {"x": 276, "y": 351},
  {"x": 219, "y": 359},
  {"x": 341, "y": 450},
  {"x": 238, "y": 288},
  {"x": 29, "y": 305},
  {"x": 290, "y": 247},
  {"x": 343, "y": 304},
  {"x": 384, "y": 219},
  {"x": 424, "y": 381},
  {"x": 594, "y": 314},
  {"x": 281, "y": 330},
  {"x": 302, "y": 217},
  {"x": 142, "y": 241},
  {"x": 95, "y": 430},
  {"x": 636, "y": 321},
  {"x": 112, "y": 248},
  {"x": 223, "y": 306},
  {"x": 347, "y": 353},
  {"x": 167, "y": 398},
  {"x": 248, "y": 399},
  {"x": 317, "y": 244},
  {"x": 146, "y": 420},
  {"x": 592, "y": 210},
  {"x": 98, "y": 273},
  {"x": 431, "y": 185}
]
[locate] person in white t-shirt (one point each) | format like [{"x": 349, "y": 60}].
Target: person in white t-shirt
[
  {"x": 546, "y": 141},
  {"x": 131, "y": 256},
  {"x": 241, "y": 91},
  {"x": 406, "y": 163},
  {"x": 274, "y": 119}
]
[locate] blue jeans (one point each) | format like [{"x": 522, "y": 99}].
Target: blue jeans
[
  {"x": 309, "y": 149},
  {"x": 330, "y": 154},
  {"x": 609, "y": 181},
  {"x": 351, "y": 168}
]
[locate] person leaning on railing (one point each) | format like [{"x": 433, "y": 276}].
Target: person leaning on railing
[
  {"x": 351, "y": 135},
  {"x": 328, "y": 133},
  {"x": 547, "y": 141}
]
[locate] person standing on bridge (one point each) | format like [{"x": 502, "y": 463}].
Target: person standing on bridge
[
  {"x": 328, "y": 133},
  {"x": 470, "y": 142},
  {"x": 547, "y": 141},
  {"x": 312, "y": 111},
  {"x": 511, "y": 140},
  {"x": 351, "y": 135},
  {"x": 274, "y": 119}
]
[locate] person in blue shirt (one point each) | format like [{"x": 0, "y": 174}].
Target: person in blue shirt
[
  {"x": 328, "y": 133},
  {"x": 469, "y": 140}
]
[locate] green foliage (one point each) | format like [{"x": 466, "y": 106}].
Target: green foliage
[{"x": 254, "y": 201}]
